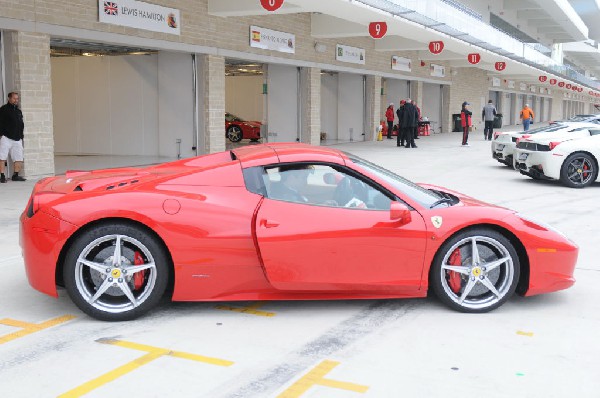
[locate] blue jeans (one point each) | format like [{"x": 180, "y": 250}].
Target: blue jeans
[{"x": 526, "y": 124}]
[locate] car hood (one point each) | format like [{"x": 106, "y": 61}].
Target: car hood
[
  {"x": 465, "y": 200},
  {"x": 252, "y": 123}
]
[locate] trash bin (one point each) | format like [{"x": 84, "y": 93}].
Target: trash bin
[
  {"x": 498, "y": 121},
  {"x": 457, "y": 123}
]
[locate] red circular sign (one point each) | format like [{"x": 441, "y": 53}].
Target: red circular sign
[
  {"x": 561, "y": 84},
  {"x": 474, "y": 58},
  {"x": 500, "y": 65},
  {"x": 568, "y": 86},
  {"x": 580, "y": 89},
  {"x": 436, "y": 47},
  {"x": 553, "y": 81},
  {"x": 543, "y": 78},
  {"x": 377, "y": 29},
  {"x": 271, "y": 5}
]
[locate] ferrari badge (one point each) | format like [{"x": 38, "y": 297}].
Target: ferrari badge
[{"x": 436, "y": 221}]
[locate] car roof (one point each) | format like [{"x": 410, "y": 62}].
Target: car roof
[{"x": 283, "y": 152}]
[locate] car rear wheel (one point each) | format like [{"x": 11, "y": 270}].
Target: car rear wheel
[
  {"x": 579, "y": 170},
  {"x": 116, "y": 272},
  {"x": 475, "y": 271},
  {"x": 234, "y": 133}
]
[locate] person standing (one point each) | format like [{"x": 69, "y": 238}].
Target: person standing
[
  {"x": 465, "y": 122},
  {"x": 400, "y": 133},
  {"x": 389, "y": 115},
  {"x": 488, "y": 114},
  {"x": 416, "y": 129},
  {"x": 527, "y": 116},
  {"x": 11, "y": 136},
  {"x": 409, "y": 122}
]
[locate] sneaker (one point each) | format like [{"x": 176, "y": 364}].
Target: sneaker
[
  {"x": 466, "y": 144},
  {"x": 2, "y": 178},
  {"x": 18, "y": 178}
]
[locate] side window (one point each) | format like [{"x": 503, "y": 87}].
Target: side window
[
  {"x": 594, "y": 132},
  {"x": 322, "y": 185}
]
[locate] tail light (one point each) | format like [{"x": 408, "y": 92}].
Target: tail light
[
  {"x": 553, "y": 144},
  {"x": 526, "y": 136}
]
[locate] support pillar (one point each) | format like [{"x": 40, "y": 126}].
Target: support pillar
[
  {"x": 29, "y": 75},
  {"x": 212, "y": 86},
  {"x": 373, "y": 115},
  {"x": 311, "y": 105}
]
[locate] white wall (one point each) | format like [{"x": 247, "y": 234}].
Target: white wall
[
  {"x": 175, "y": 105},
  {"x": 395, "y": 90},
  {"x": 431, "y": 106},
  {"x": 282, "y": 103},
  {"x": 243, "y": 96},
  {"x": 350, "y": 107},
  {"x": 123, "y": 105},
  {"x": 329, "y": 105}
]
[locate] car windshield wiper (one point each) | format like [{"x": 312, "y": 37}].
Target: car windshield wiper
[{"x": 439, "y": 202}]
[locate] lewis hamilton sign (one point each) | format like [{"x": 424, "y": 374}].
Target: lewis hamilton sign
[{"x": 140, "y": 15}]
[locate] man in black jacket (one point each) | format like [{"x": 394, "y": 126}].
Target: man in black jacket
[
  {"x": 409, "y": 123},
  {"x": 11, "y": 136}
]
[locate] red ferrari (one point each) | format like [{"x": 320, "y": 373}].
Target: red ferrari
[
  {"x": 278, "y": 222},
  {"x": 237, "y": 128}
]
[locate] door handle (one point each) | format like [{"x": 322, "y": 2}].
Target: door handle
[{"x": 268, "y": 224}]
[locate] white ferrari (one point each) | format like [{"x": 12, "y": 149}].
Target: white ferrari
[
  {"x": 571, "y": 159},
  {"x": 504, "y": 144}
]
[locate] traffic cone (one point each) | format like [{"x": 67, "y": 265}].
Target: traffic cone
[{"x": 379, "y": 135}]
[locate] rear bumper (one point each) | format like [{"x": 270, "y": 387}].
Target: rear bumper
[{"x": 533, "y": 172}]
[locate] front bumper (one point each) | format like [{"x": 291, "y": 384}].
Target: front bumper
[{"x": 42, "y": 237}]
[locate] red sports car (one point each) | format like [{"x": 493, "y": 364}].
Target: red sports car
[
  {"x": 278, "y": 222},
  {"x": 237, "y": 128}
]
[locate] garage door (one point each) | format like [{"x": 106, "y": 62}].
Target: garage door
[
  {"x": 431, "y": 107},
  {"x": 283, "y": 102}
]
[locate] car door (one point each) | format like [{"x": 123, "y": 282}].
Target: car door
[{"x": 336, "y": 234}]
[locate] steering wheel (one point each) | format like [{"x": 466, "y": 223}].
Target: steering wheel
[{"x": 351, "y": 193}]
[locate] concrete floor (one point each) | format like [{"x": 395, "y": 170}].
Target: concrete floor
[{"x": 544, "y": 346}]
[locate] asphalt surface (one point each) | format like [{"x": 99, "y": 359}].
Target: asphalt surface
[{"x": 543, "y": 346}]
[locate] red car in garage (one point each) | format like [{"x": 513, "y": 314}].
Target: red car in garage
[
  {"x": 237, "y": 128},
  {"x": 279, "y": 221}
]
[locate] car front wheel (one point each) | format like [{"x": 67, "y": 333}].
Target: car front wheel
[
  {"x": 475, "y": 271},
  {"x": 579, "y": 170},
  {"x": 234, "y": 133},
  {"x": 116, "y": 272}
]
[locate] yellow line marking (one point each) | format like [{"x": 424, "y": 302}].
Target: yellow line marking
[
  {"x": 29, "y": 328},
  {"x": 545, "y": 250},
  {"x": 316, "y": 377},
  {"x": 249, "y": 309},
  {"x": 152, "y": 354},
  {"x": 521, "y": 333}
]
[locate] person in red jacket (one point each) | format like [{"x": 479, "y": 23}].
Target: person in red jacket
[
  {"x": 389, "y": 115},
  {"x": 465, "y": 122}
]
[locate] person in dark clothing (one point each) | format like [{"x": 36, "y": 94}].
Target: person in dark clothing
[
  {"x": 416, "y": 129},
  {"x": 409, "y": 123},
  {"x": 400, "y": 113},
  {"x": 293, "y": 181},
  {"x": 465, "y": 122},
  {"x": 11, "y": 136},
  {"x": 488, "y": 114},
  {"x": 389, "y": 115}
]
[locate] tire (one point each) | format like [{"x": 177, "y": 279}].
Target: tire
[
  {"x": 579, "y": 170},
  {"x": 234, "y": 133},
  {"x": 116, "y": 291},
  {"x": 465, "y": 285}
]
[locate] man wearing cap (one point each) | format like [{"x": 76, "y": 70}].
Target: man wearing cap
[
  {"x": 389, "y": 115},
  {"x": 526, "y": 116},
  {"x": 465, "y": 122}
]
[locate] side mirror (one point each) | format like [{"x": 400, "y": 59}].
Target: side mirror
[{"x": 399, "y": 212}]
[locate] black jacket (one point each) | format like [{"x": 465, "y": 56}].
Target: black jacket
[
  {"x": 11, "y": 122},
  {"x": 409, "y": 117}
]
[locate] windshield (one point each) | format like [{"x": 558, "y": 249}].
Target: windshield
[
  {"x": 421, "y": 195},
  {"x": 229, "y": 117}
]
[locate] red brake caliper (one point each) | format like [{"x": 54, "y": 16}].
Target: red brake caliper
[
  {"x": 585, "y": 168},
  {"x": 454, "y": 277},
  {"x": 138, "y": 277}
]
